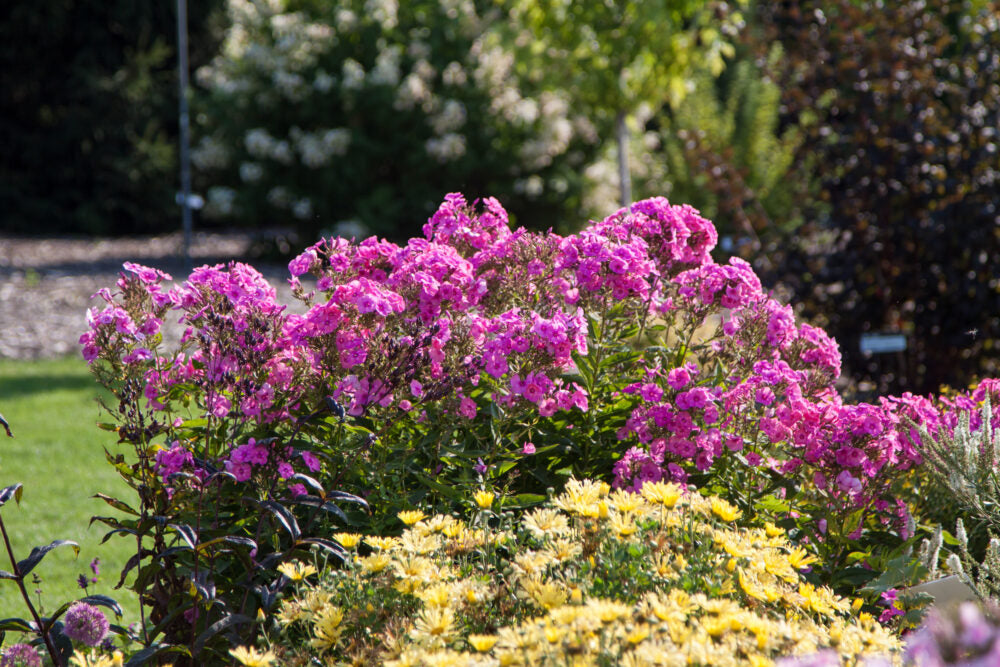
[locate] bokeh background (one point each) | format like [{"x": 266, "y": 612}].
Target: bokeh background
[{"x": 846, "y": 148}]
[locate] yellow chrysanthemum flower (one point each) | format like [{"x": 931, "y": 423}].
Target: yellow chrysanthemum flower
[
  {"x": 637, "y": 635},
  {"x": 434, "y": 624},
  {"x": 624, "y": 501},
  {"x": 484, "y": 499},
  {"x": 546, "y": 522},
  {"x": 798, "y": 558},
  {"x": 94, "y": 659},
  {"x": 250, "y": 657},
  {"x": 437, "y": 595},
  {"x": 662, "y": 493},
  {"x": 410, "y": 517},
  {"x": 326, "y": 628},
  {"x": 347, "y": 540},
  {"x": 623, "y": 525},
  {"x": 724, "y": 510},
  {"x": 545, "y": 595},
  {"x": 454, "y": 529},
  {"x": 483, "y": 643},
  {"x": 772, "y": 530},
  {"x": 375, "y": 563},
  {"x": 382, "y": 543},
  {"x": 289, "y": 612},
  {"x": 296, "y": 571}
]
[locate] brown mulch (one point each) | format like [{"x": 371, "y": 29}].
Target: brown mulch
[{"x": 46, "y": 284}]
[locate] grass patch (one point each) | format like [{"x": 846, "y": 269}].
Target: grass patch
[{"x": 57, "y": 453}]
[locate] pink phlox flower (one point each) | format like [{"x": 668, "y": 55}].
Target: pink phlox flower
[
  {"x": 304, "y": 262},
  {"x": 467, "y": 408},
  {"x": 310, "y": 460},
  {"x": 678, "y": 378},
  {"x": 146, "y": 274},
  {"x": 170, "y": 461}
]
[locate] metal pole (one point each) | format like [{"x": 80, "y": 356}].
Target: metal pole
[{"x": 185, "y": 128}]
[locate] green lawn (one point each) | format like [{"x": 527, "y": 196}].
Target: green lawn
[{"x": 57, "y": 453}]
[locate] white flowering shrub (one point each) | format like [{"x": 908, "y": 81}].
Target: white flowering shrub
[{"x": 322, "y": 114}]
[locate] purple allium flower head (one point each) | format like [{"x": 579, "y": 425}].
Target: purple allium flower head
[
  {"x": 86, "y": 623},
  {"x": 20, "y": 655}
]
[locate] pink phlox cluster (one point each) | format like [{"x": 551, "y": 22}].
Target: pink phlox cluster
[
  {"x": 244, "y": 458},
  {"x": 173, "y": 460},
  {"x": 732, "y": 287},
  {"x": 391, "y": 327},
  {"x": 457, "y": 224},
  {"x": 677, "y": 236}
]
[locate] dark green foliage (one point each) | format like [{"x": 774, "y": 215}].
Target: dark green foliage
[
  {"x": 88, "y": 114},
  {"x": 721, "y": 151},
  {"x": 899, "y": 107}
]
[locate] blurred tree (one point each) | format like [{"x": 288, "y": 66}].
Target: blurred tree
[
  {"x": 88, "y": 114},
  {"x": 902, "y": 106},
  {"x": 613, "y": 56},
  {"x": 721, "y": 151},
  {"x": 358, "y": 116}
]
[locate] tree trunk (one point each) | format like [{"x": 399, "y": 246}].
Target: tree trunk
[{"x": 624, "y": 179}]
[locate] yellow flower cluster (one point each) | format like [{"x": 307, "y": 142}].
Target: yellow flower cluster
[{"x": 752, "y": 606}]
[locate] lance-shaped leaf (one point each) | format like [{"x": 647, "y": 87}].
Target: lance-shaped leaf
[
  {"x": 104, "y": 601},
  {"x": 16, "y": 625},
  {"x": 284, "y": 516},
  {"x": 13, "y": 491},
  {"x": 329, "y": 546},
  {"x": 310, "y": 482},
  {"x": 312, "y": 501},
  {"x": 228, "y": 539},
  {"x": 149, "y": 654},
  {"x": 117, "y": 504},
  {"x": 216, "y": 628},
  {"x": 348, "y": 498},
  {"x": 132, "y": 563},
  {"x": 38, "y": 553},
  {"x": 187, "y": 533}
]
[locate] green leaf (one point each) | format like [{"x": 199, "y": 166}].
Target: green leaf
[
  {"x": 852, "y": 521},
  {"x": 773, "y": 504},
  {"x": 523, "y": 500},
  {"x": 38, "y": 553},
  {"x": 117, "y": 504}
]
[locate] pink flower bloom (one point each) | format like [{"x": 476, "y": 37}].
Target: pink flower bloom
[
  {"x": 678, "y": 378},
  {"x": 528, "y": 448},
  {"x": 467, "y": 408},
  {"x": 85, "y": 623},
  {"x": 311, "y": 461}
]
